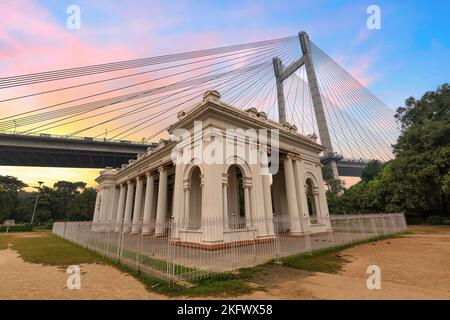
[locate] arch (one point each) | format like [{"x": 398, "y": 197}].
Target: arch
[
  {"x": 311, "y": 191},
  {"x": 238, "y": 197},
  {"x": 191, "y": 166},
  {"x": 310, "y": 175},
  {"x": 239, "y": 162},
  {"x": 193, "y": 194}
]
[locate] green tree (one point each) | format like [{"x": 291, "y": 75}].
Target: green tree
[
  {"x": 371, "y": 170},
  {"x": 81, "y": 207},
  {"x": 64, "y": 192},
  {"x": 9, "y": 189},
  {"x": 417, "y": 181},
  {"x": 419, "y": 172}
]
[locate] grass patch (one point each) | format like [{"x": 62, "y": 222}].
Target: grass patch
[
  {"x": 326, "y": 260},
  {"x": 219, "y": 285},
  {"x": 17, "y": 228},
  {"x": 48, "y": 249}
]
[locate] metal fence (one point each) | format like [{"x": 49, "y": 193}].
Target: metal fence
[{"x": 177, "y": 253}]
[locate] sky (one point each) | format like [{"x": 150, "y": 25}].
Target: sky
[{"x": 408, "y": 56}]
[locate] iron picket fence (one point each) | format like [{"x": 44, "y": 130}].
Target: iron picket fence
[{"x": 181, "y": 253}]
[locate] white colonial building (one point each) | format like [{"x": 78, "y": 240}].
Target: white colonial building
[{"x": 226, "y": 175}]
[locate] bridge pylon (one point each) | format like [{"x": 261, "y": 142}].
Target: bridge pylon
[{"x": 282, "y": 73}]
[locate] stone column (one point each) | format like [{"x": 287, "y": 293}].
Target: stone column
[
  {"x": 128, "y": 207},
  {"x": 248, "y": 214},
  {"x": 112, "y": 214},
  {"x": 317, "y": 206},
  {"x": 161, "y": 210},
  {"x": 148, "y": 204},
  {"x": 291, "y": 196},
  {"x": 267, "y": 205},
  {"x": 137, "y": 204},
  {"x": 301, "y": 194},
  {"x": 120, "y": 207},
  {"x": 97, "y": 206},
  {"x": 225, "y": 201},
  {"x": 187, "y": 203},
  {"x": 104, "y": 205}
]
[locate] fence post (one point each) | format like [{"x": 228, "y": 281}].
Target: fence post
[
  {"x": 331, "y": 233},
  {"x": 168, "y": 253},
  {"x": 78, "y": 230},
  {"x": 391, "y": 224},
  {"x": 86, "y": 234},
  {"x": 347, "y": 226},
  {"x": 96, "y": 241},
  {"x": 64, "y": 232},
  {"x": 374, "y": 227},
  {"x": 138, "y": 257},
  {"x": 120, "y": 244},
  {"x": 405, "y": 225},
  {"x": 384, "y": 223},
  {"x": 277, "y": 240},
  {"x": 107, "y": 238},
  {"x": 361, "y": 224}
]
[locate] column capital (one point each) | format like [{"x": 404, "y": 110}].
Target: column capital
[
  {"x": 247, "y": 183},
  {"x": 138, "y": 178},
  {"x": 162, "y": 169},
  {"x": 130, "y": 182},
  {"x": 202, "y": 181},
  {"x": 187, "y": 184},
  {"x": 291, "y": 156},
  {"x": 225, "y": 179}
]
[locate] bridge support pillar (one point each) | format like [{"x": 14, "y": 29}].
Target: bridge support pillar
[
  {"x": 282, "y": 74},
  {"x": 278, "y": 69}
]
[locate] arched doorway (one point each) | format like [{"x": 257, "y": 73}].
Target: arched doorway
[
  {"x": 237, "y": 202},
  {"x": 312, "y": 203},
  {"x": 194, "y": 211}
]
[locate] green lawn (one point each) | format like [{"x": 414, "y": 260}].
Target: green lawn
[{"x": 48, "y": 249}]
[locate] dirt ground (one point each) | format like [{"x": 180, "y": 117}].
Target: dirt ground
[
  {"x": 23, "y": 280},
  {"x": 413, "y": 267}
]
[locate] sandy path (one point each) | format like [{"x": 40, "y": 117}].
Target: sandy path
[
  {"x": 23, "y": 280},
  {"x": 416, "y": 267}
]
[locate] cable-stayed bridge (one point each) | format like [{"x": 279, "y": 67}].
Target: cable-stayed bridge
[{"x": 88, "y": 116}]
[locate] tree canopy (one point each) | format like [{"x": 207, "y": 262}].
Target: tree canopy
[
  {"x": 417, "y": 181},
  {"x": 65, "y": 201}
]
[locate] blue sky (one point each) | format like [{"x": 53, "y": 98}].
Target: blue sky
[{"x": 408, "y": 56}]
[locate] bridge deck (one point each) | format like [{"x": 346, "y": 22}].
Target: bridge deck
[{"x": 54, "y": 151}]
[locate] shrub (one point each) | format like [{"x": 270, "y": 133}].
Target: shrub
[
  {"x": 17, "y": 228},
  {"x": 410, "y": 219},
  {"x": 434, "y": 220}
]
